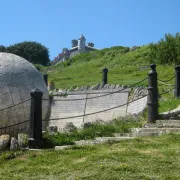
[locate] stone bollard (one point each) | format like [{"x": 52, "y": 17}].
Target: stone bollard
[
  {"x": 45, "y": 76},
  {"x": 152, "y": 95},
  {"x": 105, "y": 79},
  {"x": 177, "y": 82},
  {"x": 35, "y": 133}
]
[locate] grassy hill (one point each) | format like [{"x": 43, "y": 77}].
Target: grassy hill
[
  {"x": 125, "y": 68},
  {"x": 86, "y": 69}
]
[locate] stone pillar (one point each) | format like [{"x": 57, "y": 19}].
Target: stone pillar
[
  {"x": 177, "y": 82},
  {"x": 152, "y": 95},
  {"x": 35, "y": 133},
  {"x": 105, "y": 78},
  {"x": 45, "y": 76}
]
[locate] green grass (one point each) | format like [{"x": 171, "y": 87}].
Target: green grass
[
  {"x": 141, "y": 158},
  {"x": 122, "y": 125},
  {"x": 124, "y": 68},
  {"x": 86, "y": 69}
]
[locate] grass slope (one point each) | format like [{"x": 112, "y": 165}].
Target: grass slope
[
  {"x": 141, "y": 158},
  {"x": 123, "y": 65},
  {"x": 86, "y": 69}
]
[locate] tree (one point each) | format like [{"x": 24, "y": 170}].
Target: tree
[
  {"x": 34, "y": 52},
  {"x": 167, "y": 50},
  {"x": 2, "y": 48}
]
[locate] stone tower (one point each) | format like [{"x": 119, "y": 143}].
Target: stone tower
[
  {"x": 74, "y": 43},
  {"x": 81, "y": 44}
]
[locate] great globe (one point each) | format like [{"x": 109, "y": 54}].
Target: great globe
[{"x": 18, "y": 78}]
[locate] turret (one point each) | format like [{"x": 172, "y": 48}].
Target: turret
[
  {"x": 65, "y": 51},
  {"x": 81, "y": 44},
  {"x": 91, "y": 44},
  {"x": 74, "y": 42}
]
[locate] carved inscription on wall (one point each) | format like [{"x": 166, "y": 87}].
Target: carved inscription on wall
[
  {"x": 65, "y": 109},
  {"x": 137, "y": 106}
]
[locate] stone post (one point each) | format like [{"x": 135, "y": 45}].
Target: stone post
[
  {"x": 35, "y": 133},
  {"x": 152, "y": 95},
  {"x": 177, "y": 82},
  {"x": 45, "y": 76},
  {"x": 105, "y": 79}
]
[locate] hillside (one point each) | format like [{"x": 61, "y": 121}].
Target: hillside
[{"x": 125, "y": 67}]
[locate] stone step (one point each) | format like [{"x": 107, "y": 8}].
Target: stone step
[
  {"x": 100, "y": 140},
  {"x": 146, "y": 134},
  {"x": 174, "y": 121},
  {"x": 114, "y": 138},
  {"x": 63, "y": 147},
  {"x": 136, "y": 135},
  {"x": 122, "y": 134},
  {"x": 171, "y": 125},
  {"x": 136, "y": 131},
  {"x": 168, "y": 123}
]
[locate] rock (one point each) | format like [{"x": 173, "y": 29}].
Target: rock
[
  {"x": 52, "y": 129},
  {"x": 4, "y": 142},
  {"x": 97, "y": 86},
  {"x": 70, "y": 127},
  {"x": 117, "y": 86},
  {"x": 14, "y": 144},
  {"x": 87, "y": 125},
  {"x": 113, "y": 86},
  {"x": 100, "y": 87},
  {"x": 22, "y": 140},
  {"x": 106, "y": 86}
]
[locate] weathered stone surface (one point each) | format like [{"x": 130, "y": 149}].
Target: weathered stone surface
[
  {"x": 18, "y": 78},
  {"x": 117, "y": 86},
  {"x": 69, "y": 127},
  {"x": 103, "y": 103},
  {"x": 63, "y": 147},
  {"x": 4, "y": 142},
  {"x": 113, "y": 86},
  {"x": 100, "y": 140},
  {"x": 137, "y": 106},
  {"x": 64, "y": 109},
  {"x": 22, "y": 140},
  {"x": 153, "y": 131},
  {"x": 14, "y": 144}
]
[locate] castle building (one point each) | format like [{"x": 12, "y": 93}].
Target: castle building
[{"x": 78, "y": 46}]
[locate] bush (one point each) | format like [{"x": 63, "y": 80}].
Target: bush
[
  {"x": 167, "y": 50},
  {"x": 97, "y": 129}
]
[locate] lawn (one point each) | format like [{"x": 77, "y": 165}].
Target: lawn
[{"x": 141, "y": 158}]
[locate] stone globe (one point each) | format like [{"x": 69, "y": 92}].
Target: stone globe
[{"x": 18, "y": 78}]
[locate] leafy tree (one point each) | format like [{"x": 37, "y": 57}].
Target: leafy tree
[
  {"x": 167, "y": 50},
  {"x": 34, "y": 52},
  {"x": 2, "y": 48}
]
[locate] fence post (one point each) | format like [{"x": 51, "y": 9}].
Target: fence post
[
  {"x": 35, "y": 133},
  {"x": 177, "y": 82},
  {"x": 152, "y": 95},
  {"x": 105, "y": 79},
  {"x": 45, "y": 76}
]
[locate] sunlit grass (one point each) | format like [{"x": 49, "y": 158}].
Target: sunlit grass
[{"x": 141, "y": 158}]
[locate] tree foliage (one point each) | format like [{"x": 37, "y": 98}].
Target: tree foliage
[
  {"x": 34, "y": 52},
  {"x": 167, "y": 50},
  {"x": 2, "y": 48}
]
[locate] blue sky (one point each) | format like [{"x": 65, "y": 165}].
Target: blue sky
[{"x": 54, "y": 23}]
